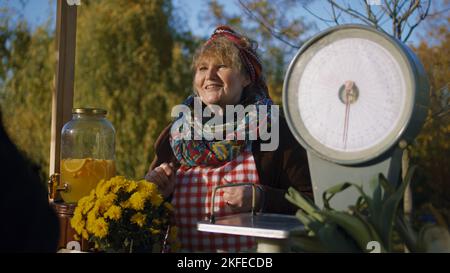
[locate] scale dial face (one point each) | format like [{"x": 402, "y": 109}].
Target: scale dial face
[{"x": 349, "y": 95}]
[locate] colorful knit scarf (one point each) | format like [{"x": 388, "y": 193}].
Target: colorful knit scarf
[{"x": 203, "y": 152}]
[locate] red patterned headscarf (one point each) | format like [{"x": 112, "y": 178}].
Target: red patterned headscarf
[{"x": 247, "y": 54}]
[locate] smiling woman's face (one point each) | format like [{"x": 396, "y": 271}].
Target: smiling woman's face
[{"x": 218, "y": 83}]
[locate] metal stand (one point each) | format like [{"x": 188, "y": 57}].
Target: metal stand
[
  {"x": 265, "y": 245},
  {"x": 271, "y": 231}
]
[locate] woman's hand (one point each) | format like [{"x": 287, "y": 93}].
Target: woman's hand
[
  {"x": 240, "y": 198},
  {"x": 164, "y": 177}
]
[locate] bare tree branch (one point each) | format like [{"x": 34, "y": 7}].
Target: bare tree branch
[
  {"x": 370, "y": 14},
  {"x": 350, "y": 12},
  {"x": 400, "y": 12},
  {"x": 439, "y": 12},
  {"x": 387, "y": 7},
  {"x": 271, "y": 29},
  {"x": 381, "y": 13},
  {"x": 318, "y": 17},
  {"x": 400, "y": 7},
  {"x": 412, "y": 7},
  {"x": 422, "y": 17},
  {"x": 335, "y": 18}
]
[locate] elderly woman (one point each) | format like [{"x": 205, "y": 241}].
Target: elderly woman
[{"x": 227, "y": 71}]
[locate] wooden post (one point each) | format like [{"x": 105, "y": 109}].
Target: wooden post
[{"x": 62, "y": 101}]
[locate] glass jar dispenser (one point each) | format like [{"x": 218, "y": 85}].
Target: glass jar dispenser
[{"x": 87, "y": 152}]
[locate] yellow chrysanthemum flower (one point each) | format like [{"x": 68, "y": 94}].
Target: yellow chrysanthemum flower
[
  {"x": 77, "y": 221},
  {"x": 131, "y": 186},
  {"x": 95, "y": 209},
  {"x": 149, "y": 191},
  {"x": 156, "y": 199},
  {"x": 82, "y": 202},
  {"x": 114, "y": 213},
  {"x": 146, "y": 188},
  {"x": 137, "y": 201},
  {"x": 106, "y": 202},
  {"x": 139, "y": 219},
  {"x": 125, "y": 204},
  {"x": 95, "y": 213},
  {"x": 118, "y": 183},
  {"x": 144, "y": 184},
  {"x": 86, "y": 203},
  {"x": 90, "y": 222},
  {"x": 100, "y": 228},
  {"x": 102, "y": 188}
]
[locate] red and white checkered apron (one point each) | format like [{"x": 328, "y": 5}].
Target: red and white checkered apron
[{"x": 192, "y": 202}]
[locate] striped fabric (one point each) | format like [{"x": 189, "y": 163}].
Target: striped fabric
[{"x": 192, "y": 202}]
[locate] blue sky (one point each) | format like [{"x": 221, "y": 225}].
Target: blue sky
[
  {"x": 38, "y": 11},
  {"x": 193, "y": 9}
]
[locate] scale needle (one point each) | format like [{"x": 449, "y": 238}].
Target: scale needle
[{"x": 348, "y": 94}]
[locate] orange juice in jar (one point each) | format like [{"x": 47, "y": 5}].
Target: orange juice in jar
[
  {"x": 87, "y": 152},
  {"x": 83, "y": 175}
]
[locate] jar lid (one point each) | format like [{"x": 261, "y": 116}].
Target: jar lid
[{"x": 91, "y": 111}]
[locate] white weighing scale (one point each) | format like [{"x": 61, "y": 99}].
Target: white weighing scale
[{"x": 353, "y": 97}]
